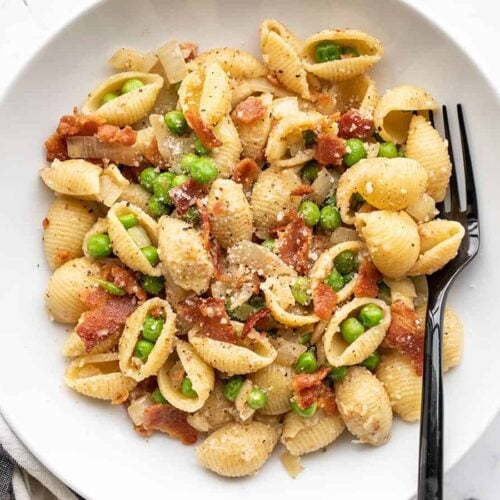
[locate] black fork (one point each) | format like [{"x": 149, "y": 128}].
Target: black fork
[{"x": 430, "y": 477}]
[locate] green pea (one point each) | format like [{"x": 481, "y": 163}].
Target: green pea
[
  {"x": 111, "y": 287},
  {"x": 329, "y": 218},
  {"x": 187, "y": 162},
  {"x": 355, "y": 151},
  {"x": 192, "y": 216},
  {"x": 338, "y": 374},
  {"x": 310, "y": 212},
  {"x": 156, "y": 207},
  {"x": 306, "y": 363},
  {"x": 151, "y": 253},
  {"x": 233, "y": 387},
  {"x": 372, "y": 361},
  {"x": 99, "y": 246},
  {"x": 350, "y": 51},
  {"x": 132, "y": 84},
  {"x": 388, "y": 150},
  {"x": 128, "y": 220},
  {"x": 199, "y": 148},
  {"x": 309, "y": 138},
  {"x": 162, "y": 185},
  {"x": 345, "y": 262},
  {"x": 147, "y": 178},
  {"x": 152, "y": 327},
  {"x": 370, "y": 315},
  {"x": 256, "y": 398},
  {"x": 176, "y": 122},
  {"x": 331, "y": 200},
  {"x": 242, "y": 313},
  {"x": 152, "y": 284},
  {"x": 348, "y": 277},
  {"x": 187, "y": 388},
  {"x": 143, "y": 349},
  {"x": 269, "y": 244},
  {"x": 303, "y": 412},
  {"x": 351, "y": 329},
  {"x": 327, "y": 51},
  {"x": 204, "y": 170},
  {"x": 179, "y": 179},
  {"x": 158, "y": 397},
  {"x": 301, "y": 291},
  {"x": 335, "y": 281},
  {"x": 304, "y": 339},
  {"x": 310, "y": 171},
  {"x": 177, "y": 86},
  {"x": 109, "y": 97}
]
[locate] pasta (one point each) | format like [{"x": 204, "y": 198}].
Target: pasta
[{"x": 240, "y": 244}]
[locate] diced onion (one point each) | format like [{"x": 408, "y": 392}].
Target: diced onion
[
  {"x": 424, "y": 209},
  {"x": 288, "y": 352},
  {"x": 322, "y": 186},
  {"x": 125, "y": 59},
  {"x": 137, "y": 408},
  {"x": 285, "y": 106},
  {"x": 140, "y": 237},
  {"x": 91, "y": 147},
  {"x": 173, "y": 63},
  {"x": 342, "y": 234}
]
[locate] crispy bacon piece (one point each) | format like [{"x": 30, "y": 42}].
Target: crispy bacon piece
[
  {"x": 294, "y": 242},
  {"x": 153, "y": 155},
  {"x": 246, "y": 172},
  {"x": 185, "y": 195},
  {"x": 254, "y": 319},
  {"x": 352, "y": 125},
  {"x": 166, "y": 418},
  {"x": 132, "y": 173},
  {"x": 326, "y": 400},
  {"x": 330, "y": 149},
  {"x": 325, "y": 103},
  {"x": 124, "y": 278},
  {"x": 324, "y": 300},
  {"x": 368, "y": 276},
  {"x": 307, "y": 386},
  {"x": 405, "y": 333},
  {"x": 111, "y": 133},
  {"x": 210, "y": 315},
  {"x": 56, "y": 148},
  {"x": 189, "y": 50},
  {"x": 302, "y": 190},
  {"x": 249, "y": 111},
  {"x": 206, "y": 136}
]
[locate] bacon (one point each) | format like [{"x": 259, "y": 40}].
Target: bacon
[
  {"x": 330, "y": 149},
  {"x": 111, "y": 133},
  {"x": 294, "y": 242},
  {"x": 206, "y": 136},
  {"x": 405, "y": 333},
  {"x": 186, "y": 195},
  {"x": 249, "y": 111},
  {"x": 246, "y": 172},
  {"x": 78, "y": 124},
  {"x": 210, "y": 315},
  {"x": 352, "y": 125},
  {"x": 124, "y": 278},
  {"x": 56, "y": 148},
  {"x": 166, "y": 418},
  {"x": 324, "y": 300},
  {"x": 254, "y": 319},
  {"x": 326, "y": 400},
  {"x": 325, "y": 103},
  {"x": 189, "y": 50},
  {"x": 307, "y": 386},
  {"x": 368, "y": 276},
  {"x": 302, "y": 190},
  {"x": 132, "y": 173},
  {"x": 45, "y": 223},
  {"x": 153, "y": 155}
]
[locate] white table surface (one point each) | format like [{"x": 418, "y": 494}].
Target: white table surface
[{"x": 26, "y": 24}]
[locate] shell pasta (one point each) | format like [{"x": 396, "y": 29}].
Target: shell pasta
[{"x": 239, "y": 244}]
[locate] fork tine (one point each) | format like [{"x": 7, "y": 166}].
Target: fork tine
[
  {"x": 454, "y": 196},
  {"x": 431, "y": 117},
  {"x": 470, "y": 186}
]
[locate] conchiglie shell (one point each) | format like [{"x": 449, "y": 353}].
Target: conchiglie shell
[
  {"x": 236, "y": 63},
  {"x": 280, "y": 51},
  {"x": 66, "y": 287},
  {"x": 65, "y": 226},
  {"x": 78, "y": 178},
  {"x": 360, "y": 93},
  {"x": 395, "y": 109},
  {"x": 124, "y": 247},
  {"x": 271, "y": 198},
  {"x": 275, "y": 380},
  {"x": 137, "y": 195},
  {"x": 98, "y": 376},
  {"x": 305, "y": 435},
  {"x": 252, "y": 86},
  {"x": 129, "y": 364},
  {"x": 127, "y": 108},
  {"x": 227, "y": 155},
  {"x": 369, "y": 48},
  {"x": 184, "y": 257},
  {"x": 338, "y": 351},
  {"x": 439, "y": 243},
  {"x": 74, "y": 346},
  {"x": 190, "y": 91},
  {"x": 237, "y": 450},
  {"x": 425, "y": 145},
  {"x": 392, "y": 240},
  {"x": 364, "y": 406},
  {"x": 215, "y": 99},
  {"x": 452, "y": 339},
  {"x": 402, "y": 384},
  {"x": 111, "y": 185},
  {"x": 230, "y": 214},
  {"x": 234, "y": 359}
]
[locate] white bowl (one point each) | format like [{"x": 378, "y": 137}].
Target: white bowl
[{"x": 92, "y": 446}]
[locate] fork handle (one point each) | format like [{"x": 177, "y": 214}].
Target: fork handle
[{"x": 430, "y": 476}]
